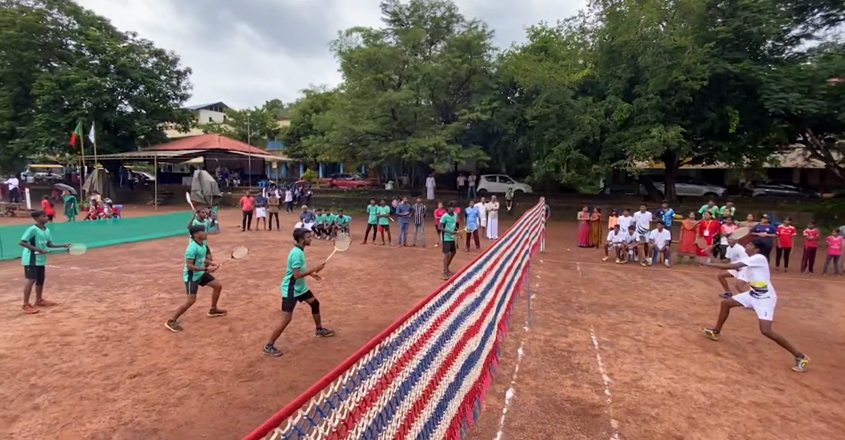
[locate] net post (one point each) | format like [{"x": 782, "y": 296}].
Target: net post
[
  {"x": 543, "y": 229},
  {"x": 528, "y": 295}
]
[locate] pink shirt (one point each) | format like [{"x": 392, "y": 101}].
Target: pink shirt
[{"x": 834, "y": 245}]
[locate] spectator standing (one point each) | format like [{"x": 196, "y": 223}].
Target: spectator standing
[
  {"x": 14, "y": 189},
  {"x": 418, "y": 215},
  {"x": 785, "y": 233},
  {"x": 727, "y": 211},
  {"x": 481, "y": 206},
  {"x": 493, "y": 219},
  {"x": 247, "y": 208},
  {"x": 767, "y": 232},
  {"x": 811, "y": 245},
  {"x": 403, "y": 211},
  {"x": 471, "y": 186},
  {"x": 462, "y": 181},
  {"x": 834, "y": 252},
  {"x": 430, "y": 184},
  {"x": 710, "y": 207}
]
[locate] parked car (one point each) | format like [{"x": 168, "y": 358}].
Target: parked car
[
  {"x": 685, "y": 186},
  {"x": 348, "y": 181},
  {"x": 43, "y": 173},
  {"x": 499, "y": 183},
  {"x": 779, "y": 188}
]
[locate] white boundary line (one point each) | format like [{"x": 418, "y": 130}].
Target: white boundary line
[
  {"x": 520, "y": 353},
  {"x": 614, "y": 424}
]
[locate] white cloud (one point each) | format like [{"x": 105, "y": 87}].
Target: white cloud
[{"x": 248, "y": 51}]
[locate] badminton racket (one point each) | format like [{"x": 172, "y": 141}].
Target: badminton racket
[
  {"x": 188, "y": 198},
  {"x": 701, "y": 243},
  {"x": 239, "y": 253},
  {"x": 341, "y": 243},
  {"x": 740, "y": 233},
  {"x": 77, "y": 249}
]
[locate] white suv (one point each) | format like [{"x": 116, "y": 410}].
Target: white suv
[
  {"x": 499, "y": 183},
  {"x": 686, "y": 187}
]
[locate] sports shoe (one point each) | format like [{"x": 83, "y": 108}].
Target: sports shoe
[
  {"x": 605, "y": 258},
  {"x": 711, "y": 334},
  {"x": 270, "y": 350},
  {"x": 666, "y": 263},
  {"x": 173, "y": 326},
  {"x": 213, "y": 313},
  {"x": 801, "y": 363},
  {"x": 618, "y": 261},
  {"x": 324, "y": 333}
]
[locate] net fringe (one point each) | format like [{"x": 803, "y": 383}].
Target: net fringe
[{"x": 382, "y": 395}]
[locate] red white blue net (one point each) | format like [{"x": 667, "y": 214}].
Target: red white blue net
[{"x": 423, "y": 378}]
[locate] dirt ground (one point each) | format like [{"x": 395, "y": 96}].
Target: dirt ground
[
  {"x": 101, "y": 365},
  {"x": 650, "y": 374}
]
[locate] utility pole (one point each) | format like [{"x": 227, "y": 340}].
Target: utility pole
[{"x": 249, "y": 141}]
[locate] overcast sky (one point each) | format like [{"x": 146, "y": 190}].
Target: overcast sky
[{"x": 245, "y": 52}]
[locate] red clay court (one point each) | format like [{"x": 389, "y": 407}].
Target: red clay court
[{"x": 612, "y": 352}]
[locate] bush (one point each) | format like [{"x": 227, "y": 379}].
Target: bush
[
  {"x": 310, "y": 176},
  {"x": 830, "y": 213}
]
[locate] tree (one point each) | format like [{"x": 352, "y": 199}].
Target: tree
[
  {"x": 60, "y": 64},
  {"x": 303, "y": 139},
  {"x": 412, "y": 90}
]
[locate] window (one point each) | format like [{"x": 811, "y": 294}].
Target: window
[
  {"x": 506, "y": 180},
  {"x": 210, "y": 120},
  {"x": 490, "y": 179}
]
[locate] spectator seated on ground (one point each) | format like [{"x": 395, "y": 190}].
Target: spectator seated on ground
[{"x": 95, "y": 211}]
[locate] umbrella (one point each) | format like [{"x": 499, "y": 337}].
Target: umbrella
[{"x": 63, "y": 187}]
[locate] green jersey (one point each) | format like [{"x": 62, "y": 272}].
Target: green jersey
[
  {"x": 372, "y": 212},
  {"x": 294, "y": 287},
  {"x": 448, "y": 224},
  {"x": 332, "y": 218},
  {"x": 343, "y": 220},
  {"x": 197, "y": 253},
  {"x": 725, "y": 211},
  {"x": 39, "y": 238},
  {"x": 383, "y": 210},
  {"x": 712, "y": 209}
]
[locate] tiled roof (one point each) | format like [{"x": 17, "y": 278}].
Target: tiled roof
[
  {"x": 203, "y": 106},
  {"x": 207, "y": 142}
]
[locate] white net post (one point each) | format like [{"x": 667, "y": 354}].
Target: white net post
[{"x": 543, "y": 231}]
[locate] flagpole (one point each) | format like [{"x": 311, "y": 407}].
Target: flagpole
[
  {"x": 94, "y": 141},
  {"x": 82, "y": 171}
]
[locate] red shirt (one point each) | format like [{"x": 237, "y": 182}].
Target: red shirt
[
  {"x": 247, "y": 203},
  {"x": 834, "y": 245},
  {"x": 785, "y": 234},
  {"x": 811, "y": 238},
  {"x": 437, "y": 214},
  {"x": 48, "y": 207}
]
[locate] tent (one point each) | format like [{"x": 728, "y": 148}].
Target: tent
[
  {"x": 204, "y": 189},
  {"x": 99, "y": 181}
]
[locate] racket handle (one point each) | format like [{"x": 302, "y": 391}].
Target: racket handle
[{"x": 331, "y": 255}]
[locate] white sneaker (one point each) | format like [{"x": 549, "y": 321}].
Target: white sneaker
[
  {"x": 618, "y": 261},
  {"x": 666, "y": 263}
]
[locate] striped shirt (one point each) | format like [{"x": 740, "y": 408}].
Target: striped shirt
[{"x": 418, "y": 213}]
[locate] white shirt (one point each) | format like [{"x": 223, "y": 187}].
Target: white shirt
[
  {"x": 757, "y": 272},
  {"x": 482, "y": 209},
  {"x": 632, "y": 238},
  {"x": 643, "y": 221},
  {"x": 288, "y": 196},
  {"x": 429, "y": 182},
  {"x": 461, "y": 180},
  {"x": 736, "y": 253},
  {"x": 660, "y": 238},
  {"x": 12, "y": 183},
  {"x": 625, "y": 222},
  {"x": 472, "y": 180},
  {"x": 615, "y": 237},
  {"x": 492, "y": 210}
]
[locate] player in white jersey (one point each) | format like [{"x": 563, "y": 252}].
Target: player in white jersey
[
  {"x": 643, "y": 219},
  {"x": 735, "y": 252},
  {"x": 661, "y": 239},
  {"x": 761, "y": 297},
  {"x": 615, "y": 239}
]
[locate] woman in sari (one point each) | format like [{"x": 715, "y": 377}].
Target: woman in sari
[
  {"x": 708, "y": 229},
  {"x": 596, "y": 239},
  {"x": 71, "y": 206},
  {"x": 688, "y": 234},
  {"x": 584, "y": 227}
]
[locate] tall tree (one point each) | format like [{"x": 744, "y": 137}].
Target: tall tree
[{"x": 60, "y": 64}]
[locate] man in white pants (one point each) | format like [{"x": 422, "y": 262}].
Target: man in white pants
[
  {"x": 493, "y": 219},
  {"x": 481, "y": 206},
  {"x": 429, "y": 187},
  {"x": 760, "y": 296}
]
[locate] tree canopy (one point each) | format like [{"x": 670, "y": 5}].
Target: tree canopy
[{"x": 61, "y": 64}]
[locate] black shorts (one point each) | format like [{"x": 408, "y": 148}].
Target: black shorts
[
  {"x": 192, "y": 287},
  {"x": 289, "y": 303},
  {"x": 35, "y": 273},
  {"x": 449, "y": 247}
]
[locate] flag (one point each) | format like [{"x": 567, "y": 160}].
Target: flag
[
  {"x": 77, "y": 133},
  {"x": 91, "y": 134}
]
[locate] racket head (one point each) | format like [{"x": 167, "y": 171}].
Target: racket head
[
  {"x": 342, "y": 243},
  {"x": 701, "y": 243},
  {"x": 740, "y": 233},
  {"x": 77, "y": 249},
  {"x": 240, "y": 252}
]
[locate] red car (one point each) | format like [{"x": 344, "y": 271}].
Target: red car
[{"x": 348, "y": 181}]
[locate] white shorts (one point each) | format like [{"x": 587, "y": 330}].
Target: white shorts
[
  {"x": 738, "y": 274},
  {"x": 260, "y": 212},
  {"x": 307, "y": 226},
  {"x": 765, "y": 308}
]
